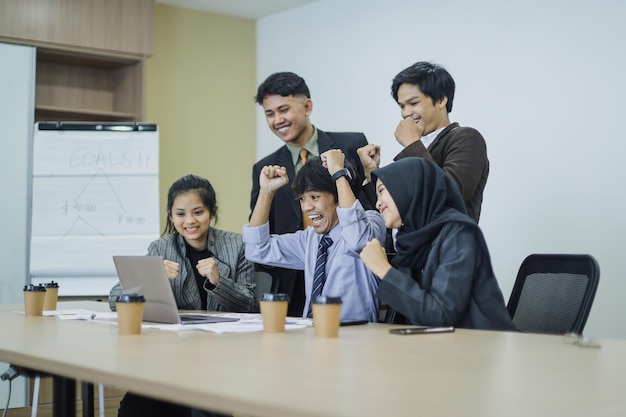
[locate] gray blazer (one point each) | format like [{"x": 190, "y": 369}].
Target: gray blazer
[{"x": 235, "y": 290}]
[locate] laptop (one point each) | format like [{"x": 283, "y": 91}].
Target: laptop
[{"x": 146, "y": 275}]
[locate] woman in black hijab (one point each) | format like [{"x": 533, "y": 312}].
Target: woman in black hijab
[{"x": 441, "y": 274}]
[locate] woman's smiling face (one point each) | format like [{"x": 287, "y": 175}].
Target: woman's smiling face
[
  {"x": 387, "y": 207},
  {"x": 191, "y": 218}
]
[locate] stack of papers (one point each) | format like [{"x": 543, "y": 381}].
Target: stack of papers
[
  {"x": 248, "y": 322},
  {"x": 78, "y": 314}
]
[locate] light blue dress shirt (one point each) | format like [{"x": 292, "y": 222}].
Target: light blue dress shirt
[{"x": 346, "y": 274}]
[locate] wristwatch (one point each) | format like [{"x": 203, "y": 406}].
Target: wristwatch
[{"x": 342, "y": 173}]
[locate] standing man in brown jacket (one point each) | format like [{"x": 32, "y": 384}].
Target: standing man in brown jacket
[{"x": 425, "y": 92}]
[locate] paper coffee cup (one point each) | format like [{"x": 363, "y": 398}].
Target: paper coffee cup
[
  {"x": 274, "y": 312},
  {"x": 129, "y": 313},
  {"x": 52, "y": 295},
  {"x": 326, "y": 316},
  {"x": 33, "y": 299}
]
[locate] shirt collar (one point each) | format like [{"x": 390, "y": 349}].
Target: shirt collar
[
  {"x": 430, "y": 138},
  {"x": 310, "y": 146},
  {"x": 334, "y": 234}
]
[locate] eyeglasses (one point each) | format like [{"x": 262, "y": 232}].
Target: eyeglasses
[{"x": 580, "y": 340}]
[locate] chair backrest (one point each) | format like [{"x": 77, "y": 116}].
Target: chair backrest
[
  {"x": 553, "y": 293},
  {"x": 263, "y": 283}
]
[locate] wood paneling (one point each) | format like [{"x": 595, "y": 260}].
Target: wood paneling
[{"x": 107, "y": 25}]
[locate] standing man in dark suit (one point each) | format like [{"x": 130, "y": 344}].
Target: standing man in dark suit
[
  {"x": 286, "y": 100},
  {"x": 425, "y": 92}
]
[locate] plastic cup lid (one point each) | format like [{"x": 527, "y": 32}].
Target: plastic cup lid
[
  {"x": 324, "y": 299},
  {"x": 31, "y": 287},
  {"x": 51, "y": 284},
  {"x": 130, "y": 298},
  {"x": 274, "y": 297}
]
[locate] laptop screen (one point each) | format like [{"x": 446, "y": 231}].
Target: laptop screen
[{"x": 146, "y": 275}]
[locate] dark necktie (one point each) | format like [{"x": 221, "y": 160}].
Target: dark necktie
[{"x": 319, "y": 276}]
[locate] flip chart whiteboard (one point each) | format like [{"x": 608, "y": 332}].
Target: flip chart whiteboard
[{"x": 95, "y": 195}]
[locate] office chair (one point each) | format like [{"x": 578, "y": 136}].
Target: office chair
[
  {"x": 264, "y": 283},
  {"x": 553, "y": 293}
]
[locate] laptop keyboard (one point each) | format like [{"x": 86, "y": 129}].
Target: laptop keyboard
[{"x": 196, "y": 318}]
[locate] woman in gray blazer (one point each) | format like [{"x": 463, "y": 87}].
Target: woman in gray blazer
[
  {"x": 207, "y": 271},
  {"x": 206, "y": 266}
]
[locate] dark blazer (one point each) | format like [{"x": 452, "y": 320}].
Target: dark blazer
[
  {"x": 285, "y": 213},
  {"x": 457, "y": 286},
  {"x": 462, "y": 153}
]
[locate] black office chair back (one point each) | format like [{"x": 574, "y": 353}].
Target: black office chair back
[
  {"x": 264, "y": 283},
  {"x": 553, "y": 293}
]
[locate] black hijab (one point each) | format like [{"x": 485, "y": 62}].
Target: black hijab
[{"x": 426, "y": 200}]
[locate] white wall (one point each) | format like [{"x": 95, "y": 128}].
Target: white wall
[
  {"x": 17, "y": 97},
  {"x": 543, "y": 82}
]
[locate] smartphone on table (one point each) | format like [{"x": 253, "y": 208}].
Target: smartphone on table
[{"x": 421, "y": 330}]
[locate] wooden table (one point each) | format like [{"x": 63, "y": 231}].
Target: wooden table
[{"x": 364, "y": 372}]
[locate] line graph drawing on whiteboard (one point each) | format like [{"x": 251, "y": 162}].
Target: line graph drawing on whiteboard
[
  {"x": 99, "y": 204},
  {"x": 101, "y": 172},
  {"x": 88, "y": 207}
]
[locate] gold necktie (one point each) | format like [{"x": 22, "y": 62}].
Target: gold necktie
[
  {"x": 306, "y": 222},
  {"x": 303, "y": 155}
]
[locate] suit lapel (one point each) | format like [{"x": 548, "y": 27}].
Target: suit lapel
[
  {"x": 324, "y": 142},
  {"x": 442, "y": 135},
  {"x": 284, "y": 160}
]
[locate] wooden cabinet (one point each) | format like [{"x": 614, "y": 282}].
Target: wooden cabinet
[
  {"x": 90, "y": 55},
  {"x": 123, "y": 26},
  {"x": 79, "y": 86}
]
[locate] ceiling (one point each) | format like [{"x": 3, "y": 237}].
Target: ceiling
[{"x": 250, "y": 9}]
